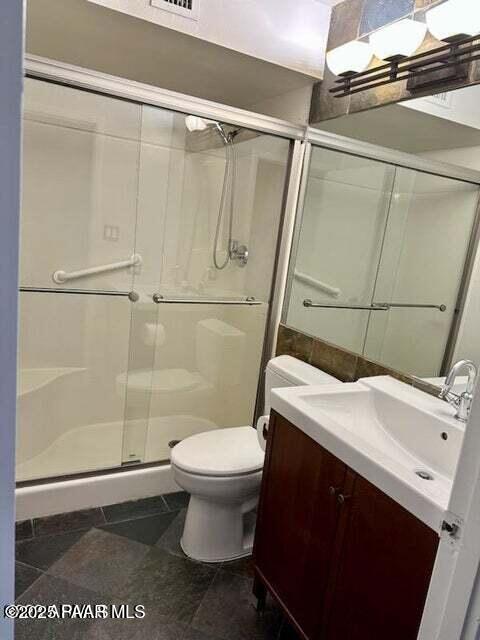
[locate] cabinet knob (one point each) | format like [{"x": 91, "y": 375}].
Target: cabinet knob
[
  {"x": 342, "y": 499},
  {"x": 333, "y": 491}
]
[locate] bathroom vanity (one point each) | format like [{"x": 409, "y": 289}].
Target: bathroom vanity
[{"x": 346, "y": 540}]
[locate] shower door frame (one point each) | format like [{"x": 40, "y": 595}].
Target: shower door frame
[
  {"x": 347, "y": 146},
  {"x": 44, "y": 69}
]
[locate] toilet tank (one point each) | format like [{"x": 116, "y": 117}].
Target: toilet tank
[{"x": 286, "y": 371}]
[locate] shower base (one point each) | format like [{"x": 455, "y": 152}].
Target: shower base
[{"x": 62, "y": 496}]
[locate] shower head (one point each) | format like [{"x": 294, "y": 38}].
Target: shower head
[{"x": 195, "y": 123}]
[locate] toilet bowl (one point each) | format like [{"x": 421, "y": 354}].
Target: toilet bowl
[{"x": 222, "y": 472}]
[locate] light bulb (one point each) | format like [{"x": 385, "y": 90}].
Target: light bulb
[
  {"x": 398, "y": 40},
  {"x": 453, "y": 19},
  {"x": 352, "y": 57}
]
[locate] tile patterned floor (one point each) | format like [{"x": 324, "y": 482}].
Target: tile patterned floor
[{"x": 130, "y": 553}]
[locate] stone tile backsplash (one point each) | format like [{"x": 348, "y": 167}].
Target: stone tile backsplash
[
  {"x": 377, "y": 13},
  {"x": 341, "y": 363}
]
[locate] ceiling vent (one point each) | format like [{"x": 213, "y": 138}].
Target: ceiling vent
[
  {"x": 442, "y": 99},
  {"x": 184, "y": 8}
]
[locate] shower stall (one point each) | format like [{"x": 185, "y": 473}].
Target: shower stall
[{"x": 148, "y": 251}]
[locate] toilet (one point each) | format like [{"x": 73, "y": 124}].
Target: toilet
[{"x": 222, "y": 471}]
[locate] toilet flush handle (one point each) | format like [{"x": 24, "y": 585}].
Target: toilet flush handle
[{"x": 262, "y": 430}]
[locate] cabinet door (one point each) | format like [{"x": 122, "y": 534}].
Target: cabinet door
[
  {"x": 297, "y": 521},
  {"x": 384, "y": 571}
]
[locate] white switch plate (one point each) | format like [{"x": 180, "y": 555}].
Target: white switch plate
[{"x": 111, "y": 233}]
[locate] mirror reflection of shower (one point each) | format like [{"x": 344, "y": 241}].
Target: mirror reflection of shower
[{"x": 235, "y": 251}]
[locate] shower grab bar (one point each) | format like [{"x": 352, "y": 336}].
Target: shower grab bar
[
  {"x": 60, "y": 277},
  {"x": 131, "y": 295},
  {"x": 440, "y": 307},
  {"x": 320, "y": 305},
  {"x": 334, "y": 292},
  {"x": 159, "y": 299}
]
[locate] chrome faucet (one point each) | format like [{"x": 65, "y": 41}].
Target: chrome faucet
[{"x": 463, "y": 401}]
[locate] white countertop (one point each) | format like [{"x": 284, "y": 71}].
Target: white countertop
[{"x": 384, "y": 430}]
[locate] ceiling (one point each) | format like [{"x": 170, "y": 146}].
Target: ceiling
[{"x": 87, "y": 35}]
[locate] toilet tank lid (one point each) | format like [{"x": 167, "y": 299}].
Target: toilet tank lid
[{"x": 298, "y": 372}]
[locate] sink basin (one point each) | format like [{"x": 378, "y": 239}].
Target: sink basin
[{"x": 402, "y": 440}]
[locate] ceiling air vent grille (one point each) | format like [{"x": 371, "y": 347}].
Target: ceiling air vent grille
[
  {"x": 442, "y": 99},
  {"x": 185, "y": 8},
  {"x": 184, "y": 4}
]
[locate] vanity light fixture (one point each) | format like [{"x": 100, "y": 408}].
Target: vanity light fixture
[
  {"x": 398, "y": 40},
  {"x": 350, "y": 58},
  {"x": 454, "y": 20}
]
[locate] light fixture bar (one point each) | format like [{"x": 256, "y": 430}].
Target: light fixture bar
[{"x": 445, "y": 57}]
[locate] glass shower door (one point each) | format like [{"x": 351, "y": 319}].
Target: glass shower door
[
  {"x": 195, "y": 354},
  {"x": 339, "y": 246},
  {"x": 80, "y": 184},
  {"x": 424, "y": 252}
]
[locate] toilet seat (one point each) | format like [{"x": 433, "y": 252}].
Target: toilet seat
[{"x": 220, "y": 453}]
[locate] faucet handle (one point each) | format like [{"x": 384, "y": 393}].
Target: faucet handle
[{"x": 450, "y": 396}]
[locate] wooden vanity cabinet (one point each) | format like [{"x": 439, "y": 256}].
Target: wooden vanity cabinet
[{"x": 344, "y": 561}]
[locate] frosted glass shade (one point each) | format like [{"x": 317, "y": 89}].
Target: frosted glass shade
[
  {"x": 352, "y": 57},
  {"x": 454, "y": 18},
  {"x": 398, "y": 40}
]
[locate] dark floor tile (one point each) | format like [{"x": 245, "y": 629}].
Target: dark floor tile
[
  {"x": 42, "y": 552},
  {"x": 228, "y": 611},
  {"x": 135, "y": 509},
  {"x": 23, "y": 530},
  {"x": 24, "y": 577},
  {"x": 64, "y": 522},
  {"x": 100, "y": 561},
  {"x": 178, "y": 500},
  {"x": 195, "y": 634},
  {"x": 170, "y": 539},
  {"x": 241, "y": 567},
  {"x": 153, "y": 626},
  {"x": 49, "y": 590},
  {"x": 145, "y": 530},
  {"x": 288, "y": 632},
  {"x": 176, "y": 585}
]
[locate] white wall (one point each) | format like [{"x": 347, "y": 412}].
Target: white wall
[
  {"x": 459, "y": 106},
  {"x": 11, "y": 52},
  {"x": 291, "y": 34}
]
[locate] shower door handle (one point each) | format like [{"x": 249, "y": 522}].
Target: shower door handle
[
  {"x": 159, "y": 299},
  {"x": 319, "y": 305}
]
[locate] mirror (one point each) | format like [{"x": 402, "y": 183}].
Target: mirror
[{"x": 383, "y": 258}]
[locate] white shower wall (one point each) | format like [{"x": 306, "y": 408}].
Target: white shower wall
[{"x": 104, "y": 179}]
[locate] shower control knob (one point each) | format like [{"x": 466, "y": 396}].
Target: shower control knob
[{"x": 239, "y": 253}]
